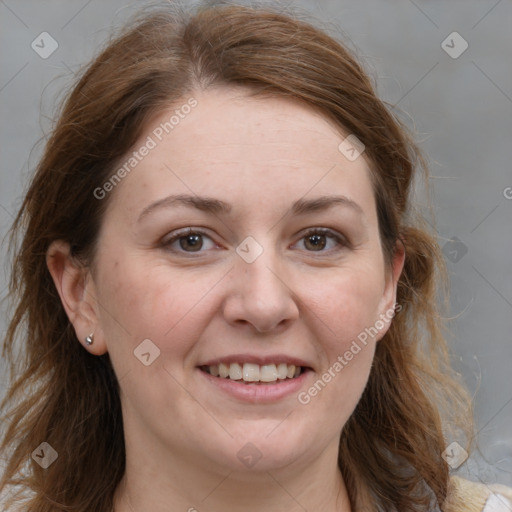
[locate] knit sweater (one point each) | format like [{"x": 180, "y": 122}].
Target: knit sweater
[{"x": 467, "y": 496}]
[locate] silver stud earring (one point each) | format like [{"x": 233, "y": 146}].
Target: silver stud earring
[{"x": 89, "y": 339}]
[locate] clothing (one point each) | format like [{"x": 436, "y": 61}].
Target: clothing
[{"x": 467, "y": 496}]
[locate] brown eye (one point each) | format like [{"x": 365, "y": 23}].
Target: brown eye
[
  {"x": 315, "y": 242},
  {"x": 192, "y": 242},
  {"x": 322, "y": 240},
  {"x": 188, "y": 241}
]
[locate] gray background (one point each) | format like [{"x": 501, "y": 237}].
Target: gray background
[{"x": 461, "y": 109}]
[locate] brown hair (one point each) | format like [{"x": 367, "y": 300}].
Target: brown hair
[{"x": 390, "y": 449}]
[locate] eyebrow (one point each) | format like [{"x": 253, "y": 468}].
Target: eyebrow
[{"x": 216, "y": 206}]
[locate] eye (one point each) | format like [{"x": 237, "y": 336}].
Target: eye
[
  {"x": 318, "y": 239},
  {"x": 189, "y": 240}
]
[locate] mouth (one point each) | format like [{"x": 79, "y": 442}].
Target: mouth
[{"x": 252, "y": 373}]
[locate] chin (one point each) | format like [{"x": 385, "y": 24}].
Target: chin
[{"x": 260, "y": 451}]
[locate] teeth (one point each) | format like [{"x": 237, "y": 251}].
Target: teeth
[
  {"x": 223, "y": 371},
  {"x": 282, "y": 371},
  {"x": 235, "y": 371},
  {"x": 250, "y": 372},
  {"x": 268, "y": 373}
]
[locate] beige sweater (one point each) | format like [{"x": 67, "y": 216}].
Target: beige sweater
[{"x": 467, "y": 496}]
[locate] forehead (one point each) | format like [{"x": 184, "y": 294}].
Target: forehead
[
  {"x": 242, "y": 148},
  {"x": 231, "y": 122}
]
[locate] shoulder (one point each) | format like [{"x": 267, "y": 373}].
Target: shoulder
[{"x": 467, "y": 496}]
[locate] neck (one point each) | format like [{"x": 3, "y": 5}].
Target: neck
[{"x": 160, "y": 485}]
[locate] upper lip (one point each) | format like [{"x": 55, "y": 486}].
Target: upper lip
[{"x": 257, "y": 359}]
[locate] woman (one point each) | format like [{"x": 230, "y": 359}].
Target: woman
[{"x": 228, "y": 298}]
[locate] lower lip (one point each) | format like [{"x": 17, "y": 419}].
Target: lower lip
[{"x": 258, "y": 393}]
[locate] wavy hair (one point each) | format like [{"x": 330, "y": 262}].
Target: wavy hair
[{"x": 390, "y": 448}]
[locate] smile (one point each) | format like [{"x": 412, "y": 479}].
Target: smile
[{"x": 254, "y": 373}]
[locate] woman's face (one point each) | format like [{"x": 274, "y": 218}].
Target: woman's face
[{"x": 242, "y": 240}]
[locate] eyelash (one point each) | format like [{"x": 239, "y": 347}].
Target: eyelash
[{"x": 339, "y": 239}]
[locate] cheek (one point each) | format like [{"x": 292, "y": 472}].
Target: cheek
[
  {"x": 139, "y": 302},
  {"x": 346, "y": 315},
  {"x": 347, "y": 302}
]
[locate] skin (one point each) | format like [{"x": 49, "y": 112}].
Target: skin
[{"x": 182, "y": 433}]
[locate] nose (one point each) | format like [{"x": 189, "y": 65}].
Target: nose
[{"x": 260, "y": 295}]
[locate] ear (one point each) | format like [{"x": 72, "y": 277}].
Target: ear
[
  {"x": 76, "y": 289},
  {"x": 388, "y": 302}
]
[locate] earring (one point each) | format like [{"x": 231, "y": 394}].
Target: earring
[{"x": 89, "y": 339}]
